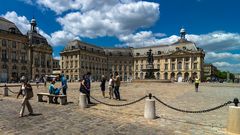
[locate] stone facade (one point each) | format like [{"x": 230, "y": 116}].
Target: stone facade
[
  {"x": 29, "y": 55},
  {"x": 40, "y": 53},
  {"x": 79, "y": 58},
  {"x": 178, "y": 62},
  {"x": 56, "y": 64},
  {"x": 209, "y": 72}
]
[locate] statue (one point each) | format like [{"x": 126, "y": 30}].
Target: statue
[{"x": 150, "y": 57}]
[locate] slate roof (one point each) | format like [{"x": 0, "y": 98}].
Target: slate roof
[{"x": 6, "y": 25}]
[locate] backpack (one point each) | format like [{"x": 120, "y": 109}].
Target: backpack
[{"x": 29, "y": 91}]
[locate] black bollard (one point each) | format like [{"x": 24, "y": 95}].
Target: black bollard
[
  {"x": 150, "y": 95},
  {"x": 236, "y": 101}
]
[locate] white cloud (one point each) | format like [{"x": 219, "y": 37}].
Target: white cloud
[
  {"x": 225, "y": 66},
  {"x": 20, "y": 21},
  {"x": 225, "y": 61},
  {"x": 56, "y": 38},
  {"x": 60, "y": 6},
  {"x": 57, "y": 57},
  {"x": 30, "y": 2},
  {"x": 217, "y": 41},
  {"x": 117, "y": 20},
  {"x": 210, "y": 42},
  {"x": 140, "y": 39},
  {"x": 223, "y": 55},
  {"x": 62, "y": 37},
  {"x": 91, "y": 18}
]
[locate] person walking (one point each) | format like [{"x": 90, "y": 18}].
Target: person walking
[
  {"x": 37, "y": 82},
  {"x": 45, "y": 81},
  {"x": 27, "y": 92},
  {"x": 197, "y": 81},
  {"x": 85, "y": 86},
  {"x": 111, "y": 86},
  {"x": 64, "y": 84},
  {"x": 102, "y": 85},
  {"x": 117, "y": 85}
]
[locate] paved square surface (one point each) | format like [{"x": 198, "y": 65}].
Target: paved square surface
[{"x": 102, "y": 120}]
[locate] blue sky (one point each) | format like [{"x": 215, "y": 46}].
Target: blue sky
[{"x": 212, "y": 24}]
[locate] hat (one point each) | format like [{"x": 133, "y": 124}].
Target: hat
[{"x": 23, "y": 79}]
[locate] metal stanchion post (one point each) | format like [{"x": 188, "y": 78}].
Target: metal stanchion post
[{"x": 150, "y": 111}]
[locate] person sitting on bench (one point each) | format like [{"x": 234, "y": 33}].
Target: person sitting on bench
[{"x": 54, "y": 91}]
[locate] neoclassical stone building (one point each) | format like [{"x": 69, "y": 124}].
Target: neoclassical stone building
[
  {"x": 78, "y": 58},
  {"x": 14, "y": 55},
  {"x": 179, "y": 61},
  {"x": 29, "y": 55},
  {"x": 40, "y": 53}
]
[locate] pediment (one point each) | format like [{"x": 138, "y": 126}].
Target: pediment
[{"x": 179, "y": 52}]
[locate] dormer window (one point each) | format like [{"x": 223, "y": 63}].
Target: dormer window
[{"x": 12, "y": 30}]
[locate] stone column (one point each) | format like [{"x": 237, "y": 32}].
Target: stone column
[
  {"x": 234, "y": 119},
  {"x": 150, "y": 111},
  {"x": 82, "y": 101},
  {"x": 5, "y": 90}
]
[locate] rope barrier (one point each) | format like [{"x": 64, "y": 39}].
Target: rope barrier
[{"x": 200, "y": 111}]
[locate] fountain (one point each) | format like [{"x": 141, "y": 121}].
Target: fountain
[{"x": 149, "y": 76}]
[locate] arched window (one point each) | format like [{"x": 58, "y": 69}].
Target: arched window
[
  {"x": 166, "y": 76},
  {"x": 179, "y": 65}
]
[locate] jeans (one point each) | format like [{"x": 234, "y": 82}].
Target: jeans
[
  {"x": 196, "y": 87},
  {"x": 64, "y": 91},
  {"x": 87, "y": 92},
  {"x": 116, "y": 92}
]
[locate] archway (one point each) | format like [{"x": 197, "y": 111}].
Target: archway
[
  {"x": 179, "y": 77},
  {"x": 136, "y": 75},
  {"x": 141, "y": 76},
  {"x": 158, "y": 75},
  {"x": 172, "y": 76},
  {"x": 186, "y": 76},
  {"x": 166, "y": 76}
]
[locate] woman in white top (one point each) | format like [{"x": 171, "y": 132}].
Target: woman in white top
[
  {"x": 26, "y": 91},
  {"x": 110, "y": 86}
]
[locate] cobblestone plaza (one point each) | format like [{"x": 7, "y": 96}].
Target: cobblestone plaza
[{"x": 101, "y": 119}]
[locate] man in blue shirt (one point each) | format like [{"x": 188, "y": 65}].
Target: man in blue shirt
[{"x": 64, "y": 84}]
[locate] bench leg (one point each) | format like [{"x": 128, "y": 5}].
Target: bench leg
[
  {"x": 40, "y": 98},
  {"x": 63, "y": 100},
  {"x": 50, "y": 99}
]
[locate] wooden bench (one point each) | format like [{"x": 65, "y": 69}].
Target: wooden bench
[{"x": 63, "y": 98}]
